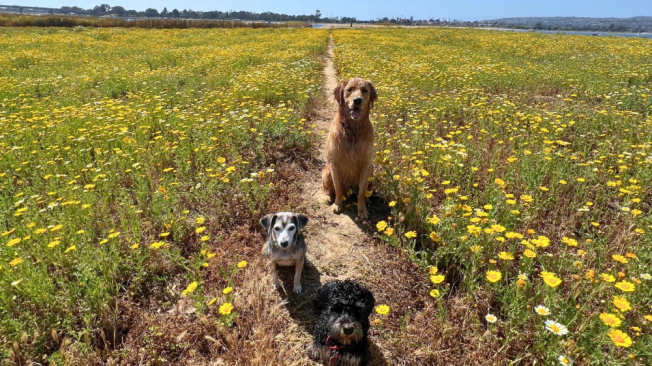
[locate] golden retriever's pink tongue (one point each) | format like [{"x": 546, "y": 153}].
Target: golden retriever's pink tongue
[{"x": 355, "y": 113}]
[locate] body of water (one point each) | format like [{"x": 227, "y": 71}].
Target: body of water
[
  {"x": 582, "y": 33},
  {"x": 577, "y": 33}
]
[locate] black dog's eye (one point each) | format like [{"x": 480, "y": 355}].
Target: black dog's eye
[
  {"x": 291, "y": 227},
  {"x": 277, "y": 228}
]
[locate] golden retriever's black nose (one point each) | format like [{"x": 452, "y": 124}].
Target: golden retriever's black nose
[{"x": 357, "y": 100}]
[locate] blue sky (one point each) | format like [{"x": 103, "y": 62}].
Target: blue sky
[{"x": 372, "y": 9}]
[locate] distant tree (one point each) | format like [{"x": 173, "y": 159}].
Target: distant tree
[
  {"x": 165, "y": 12},
  {"x": 151, "y": 13},
  {"x": 176, "y": 13},
  {"x": 118, "y": 10},
  {"x": 74, "y": 9},
  {"x": 106, "y": 8},
  {"x": 317, "y": 15}
]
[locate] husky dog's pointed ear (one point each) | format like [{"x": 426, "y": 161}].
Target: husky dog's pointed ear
[
  {"x": 268, "y": 221},
  {"x": 338, "y": 92},
  {"x": 302, "y": 221}
]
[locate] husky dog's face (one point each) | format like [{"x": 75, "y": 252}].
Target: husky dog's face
[{"x": 283, "y": 228}]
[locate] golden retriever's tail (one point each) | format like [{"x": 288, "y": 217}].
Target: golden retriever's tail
[{"x": 327, "y": 182}]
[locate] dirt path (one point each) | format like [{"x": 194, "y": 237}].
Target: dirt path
[
  {"x": 333, "y": 237},
  {"x": 340, "y": 249}
]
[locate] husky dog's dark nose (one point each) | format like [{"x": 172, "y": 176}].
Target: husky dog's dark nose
[
  {"x": 285, "y": 243},
  {"x": 348, "y": 329},
  {"x": 357, "y": 100}
]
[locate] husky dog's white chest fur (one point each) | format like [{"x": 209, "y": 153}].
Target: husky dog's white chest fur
[{"x": 287, "y": 258}]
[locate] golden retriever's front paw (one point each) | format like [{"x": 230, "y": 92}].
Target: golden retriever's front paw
[
  {"x": 362, "y": 211},
  {"x": 336, "y": 209}
]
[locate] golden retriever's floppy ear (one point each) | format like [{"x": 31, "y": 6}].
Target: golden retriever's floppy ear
[
  {"x": 339, "y": 92},
  {"x": 372, "y": 96}
]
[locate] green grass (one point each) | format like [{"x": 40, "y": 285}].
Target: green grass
[{"x": 114, "y": 140}]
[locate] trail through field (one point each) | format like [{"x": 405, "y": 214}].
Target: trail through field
[
  {"x": 340, "y": 248},
  {"x": 335, "y": 235},
  {"x": 274, "y": 327}
]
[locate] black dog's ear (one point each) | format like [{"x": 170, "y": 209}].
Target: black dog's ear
[
  {"x": 302, "y": 221},
  {"x": 372, "y": 96},
  {"x": 268, "y": 221},
  {"x": 369, "y": 302},
  {"x": 321, "y": 298},
  {"x": 339, "y": 92}
]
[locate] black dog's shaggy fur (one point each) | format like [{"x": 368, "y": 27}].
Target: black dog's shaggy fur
[{"x": 340, "y": 336}]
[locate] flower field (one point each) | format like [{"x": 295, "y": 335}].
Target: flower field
[
  {"x": 514, "y": 168},
  {"x": 126, "y": 156},
  {"x": 518, "y": 171}
]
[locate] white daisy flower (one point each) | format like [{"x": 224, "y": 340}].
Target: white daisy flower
[
  {"x": 542, "y": 310},
  {"x": 556, "y": 328},
  {"x": 565, "y": 361},
  {"x": 646, "y": 276},
  {"x": 491, "y": 318}
]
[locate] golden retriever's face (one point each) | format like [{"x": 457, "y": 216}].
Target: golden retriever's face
[{"x": 356, "y": 97}]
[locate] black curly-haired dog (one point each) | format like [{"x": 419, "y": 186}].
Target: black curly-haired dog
[{"x": 340, "y": 336}]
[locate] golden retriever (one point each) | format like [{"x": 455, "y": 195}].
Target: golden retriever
[{"x": 350, "y": 144}]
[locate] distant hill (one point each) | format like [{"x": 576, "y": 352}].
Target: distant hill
[{"x": 634, "y": 24}]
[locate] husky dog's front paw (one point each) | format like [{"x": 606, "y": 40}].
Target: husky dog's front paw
[{"x": 297, "y": 289}]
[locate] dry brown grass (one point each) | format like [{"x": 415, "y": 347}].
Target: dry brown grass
[
  {"x": 158, "y": 330},
  {"x": 274, "y": 329}
]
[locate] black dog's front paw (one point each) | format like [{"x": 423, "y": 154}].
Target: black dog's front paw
[{"x": 314, "y": 352}]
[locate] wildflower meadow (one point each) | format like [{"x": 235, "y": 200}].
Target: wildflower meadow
[
  {"x": 517, "y": 170},
  {"x": 126, "y": 155},
  {"x": 514, "y": 169}
]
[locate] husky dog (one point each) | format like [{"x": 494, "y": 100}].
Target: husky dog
[{"x": 285, "y": 245}]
